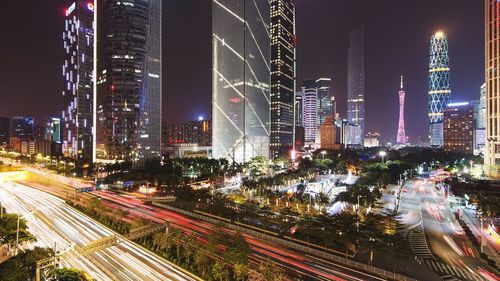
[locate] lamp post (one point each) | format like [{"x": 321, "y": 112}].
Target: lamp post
[{"x": 382, "y": 154}]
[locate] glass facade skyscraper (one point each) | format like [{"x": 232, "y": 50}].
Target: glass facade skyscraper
[
  {"x": 356, "y": 84},
  {"x": 77, "y": 70},
  {"x": 439, "y": 86},
  {"x": 241, "y": 79},
  {"x": 325, "y": 100},
  {"x": 129, "y": 80},
  {"x": 282, "y": 76}
]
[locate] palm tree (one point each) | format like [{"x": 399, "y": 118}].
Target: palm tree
[
  {"x": 190, "y": 245},
  {"x": 322, "y": 199}
]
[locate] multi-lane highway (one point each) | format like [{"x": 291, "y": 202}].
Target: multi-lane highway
[
  {"x": 55, "y": 223},
  {"x": 298, "y": 263},
  {"x": 442, "y": 245}
]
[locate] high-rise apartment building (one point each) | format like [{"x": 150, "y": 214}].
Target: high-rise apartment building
[
  {"x": 356, "y": 84},
  {"x": 328, "y": 133},
  {"x": 241, "y": 79},
  {"x": 129, "y": 95},
  {"x": 282, "y": 31},
  {"x": 78, "y": 87},
  {"x": 23, "y": 127},
  {"x": 4, "y": 131},
  {"x": 439, "y": 86},
  {"x": 492, "y": 65},
  {"x": 310, "y": 111},
  {"x": 325, "y": 100},
  {"x": 458, "y": 121}
]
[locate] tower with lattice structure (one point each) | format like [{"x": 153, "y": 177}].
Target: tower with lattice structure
[
  {"x": 439, "y": 86},
  {"x": 401, "y": 138}
]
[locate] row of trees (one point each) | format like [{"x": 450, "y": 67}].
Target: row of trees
[
  {"x": 23, "y": 267},
  {"x": 221, "y": 256}
]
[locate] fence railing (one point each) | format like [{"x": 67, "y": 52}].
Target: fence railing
[{"x": 277, "y": 240}]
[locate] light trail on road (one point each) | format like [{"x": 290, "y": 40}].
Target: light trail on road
[{"x": 52, "y": 221}]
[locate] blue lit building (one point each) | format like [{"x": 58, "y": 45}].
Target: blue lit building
[
  {"x": 23, "y": 127},
  {"x": 439, "y": 86},
  {"x": 356, "y": 84}
]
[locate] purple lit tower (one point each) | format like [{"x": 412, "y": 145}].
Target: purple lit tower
[{"x": 401, "y": 139}]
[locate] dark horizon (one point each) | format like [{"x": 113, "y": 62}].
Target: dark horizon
[{"x": 397, "y": 43}]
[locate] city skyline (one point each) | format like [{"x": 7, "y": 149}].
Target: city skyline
[{"x": 330, "y": 50}]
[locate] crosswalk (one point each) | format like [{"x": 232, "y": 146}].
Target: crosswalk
[
  {"x": 449, "y": 273},
  {"x": 418, "y": 242}
]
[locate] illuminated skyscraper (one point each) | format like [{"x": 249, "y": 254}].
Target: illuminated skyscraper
[
  {"x": 439, "y": 86},
  {"x": 492, "y": 65},
  {"x": 282, "y": 76},
  {"x": 310, "y": 111},
  {"x": 458, "y": 119},
  {"x": 479, "y": 107},
  {"x": 4, "y": 131},
  {"x": 129, "y": 75},
  {"x": 401, "y": 139},
  {"x": 325, "y": 100},
  {"x": 356, "y": 84},
  {"x": 78, "y": 93},
  {"x": 241, "y": 79},
  {"x": 23, "y": 127}
]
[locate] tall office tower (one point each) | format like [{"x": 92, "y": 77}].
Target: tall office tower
[
  {"x": 310, "y": 111},
  {"x": 282, "y": 33},
  {"x": 78, "y": 89},
  {"x": 492, "y": 64},
  {"x": 4, "y": 131},
  {"x": 241, "y": 76},
  {"x": 356, "y": 84},
  {"x": 401, "y": 138},
  {"x": 439, "y": 86},
  {"x": 325, "y": 100},
  {"x": 23, "y": 127},
  {"x": 458, "y": 121},
  {"x": 479, "y": 107},
  {"x": 129, "y": 75}
]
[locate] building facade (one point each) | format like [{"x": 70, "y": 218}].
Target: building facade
[
  {"x": 241, "y": 79},
  {"x": 479, "y": 107},
  {"x": 328, "y": 132},
  {"x": 439, "y": 86},
  {"x": 199, "y": 132},
  {"x": 310, "y": 111},
  {"x": 129, "y": 95},
  {"x": 492, "y": 64},
  {"x": 372, "y": 139},
  {"x": 53, "y": 130},
  {"x": 282, "y": 32},
  {"x": 458, "y": 121},
  {"x": 78, "y": 87},
  {"x": 356, "y": 84},
  {"x": 325, "y": 100},
  {"x": 4, "y": 131},
  {"x": 401, "y": 137},
  {"x": 23, "y": 127}
]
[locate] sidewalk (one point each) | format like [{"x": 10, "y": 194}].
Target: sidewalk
[{"x": 491, "y": 248}]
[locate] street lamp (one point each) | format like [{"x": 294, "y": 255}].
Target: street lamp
[
  {"x": 323, "y": 153},
  {"x": 382, "y": 154}
]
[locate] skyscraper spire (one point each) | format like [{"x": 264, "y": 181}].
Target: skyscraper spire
[{"x": 401, "y": 82}]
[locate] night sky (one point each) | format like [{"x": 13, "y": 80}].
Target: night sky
[{"x": 397, "y": 42}]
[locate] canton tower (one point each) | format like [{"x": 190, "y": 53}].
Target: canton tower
[{"x": 401, "y": 138}]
